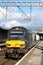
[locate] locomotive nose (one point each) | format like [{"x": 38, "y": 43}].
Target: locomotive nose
[{"x": 15, "y": 44}]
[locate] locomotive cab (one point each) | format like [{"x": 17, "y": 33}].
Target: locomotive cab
[
  {"x": 16, "y": 43},
  {"x": 15, "y": 39}
]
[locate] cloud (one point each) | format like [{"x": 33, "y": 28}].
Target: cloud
[
  {"x": 12, "y": 13},
  {"x": 13, "y": 18},
  {"x": 37, "y": 19},
  {"x": 19, "y": 19},
  {"x": 10, "y": 24},
  {"x": 2, "y": 13},
  {"x": 41, "y": 0}
]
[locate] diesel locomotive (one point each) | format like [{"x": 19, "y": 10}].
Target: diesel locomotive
[{"x": 19, "y": 41}]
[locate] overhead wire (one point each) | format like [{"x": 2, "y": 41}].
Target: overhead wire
[{"x": 29, "y": 18}]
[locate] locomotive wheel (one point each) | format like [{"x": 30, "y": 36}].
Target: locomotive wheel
[{"x": 6, "y": 55}]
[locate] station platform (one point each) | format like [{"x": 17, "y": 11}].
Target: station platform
[
  {"x": 35, "y": 58},
  {"x": 3, "y": 44}
]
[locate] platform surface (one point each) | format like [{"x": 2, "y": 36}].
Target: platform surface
[
  {"x": 36, "y": 58},
  {"x": 2, "y": 44}
]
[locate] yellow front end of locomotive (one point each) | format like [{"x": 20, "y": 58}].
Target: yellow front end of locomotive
[{"x": 15, "y": 44}]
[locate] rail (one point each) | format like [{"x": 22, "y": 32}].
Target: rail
[{"x": 7, "y": 61}]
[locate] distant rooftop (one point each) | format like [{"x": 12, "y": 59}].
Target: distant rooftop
[{"x": 40, "y": 31}]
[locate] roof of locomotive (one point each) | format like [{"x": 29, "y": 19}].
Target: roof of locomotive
[{"x": 19, "y": 27}]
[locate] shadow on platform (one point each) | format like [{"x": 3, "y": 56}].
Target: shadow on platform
[{"x": 41, "y": 48}]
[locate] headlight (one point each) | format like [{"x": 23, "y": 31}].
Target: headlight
[
  {"x": 22, "y": 45},
  {"x": 7, "y": 44}
]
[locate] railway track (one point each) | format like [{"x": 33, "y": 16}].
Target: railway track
[
  {"x": 2, "y": 51},
  {"x": 9, "y": 61},
  {"x": 5, "y": 61}
]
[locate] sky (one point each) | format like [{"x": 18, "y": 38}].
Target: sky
[
  {"x": 15, "y": 16},
  {"x": 20, "y": 0}
]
